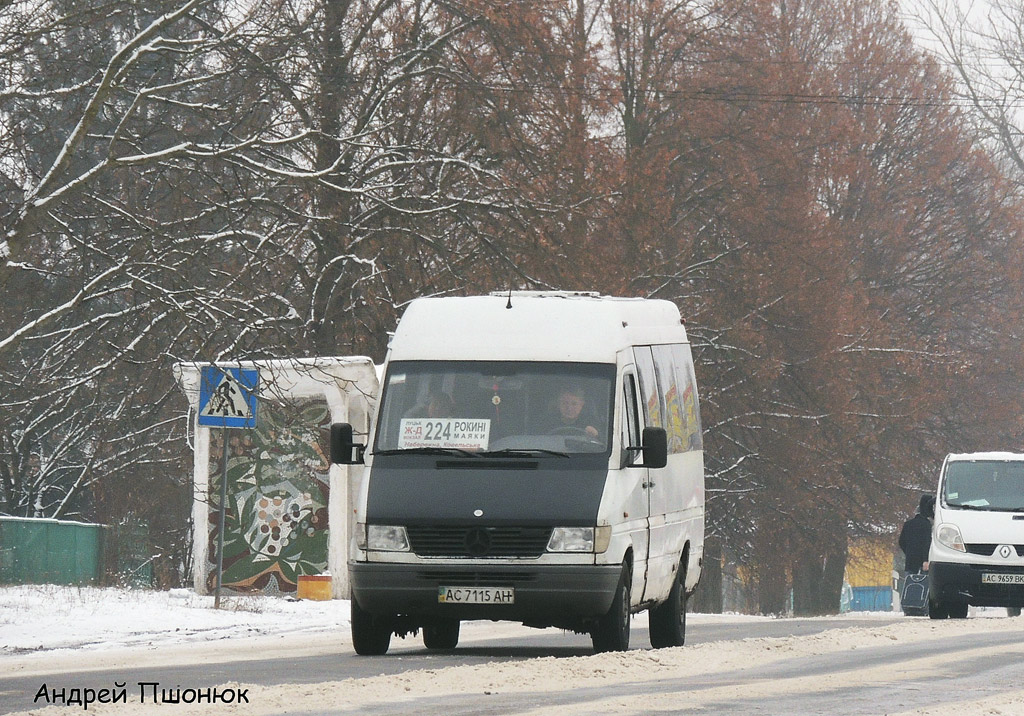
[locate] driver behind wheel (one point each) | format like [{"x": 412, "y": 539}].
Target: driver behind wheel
[{"x": 570, "y": 412}]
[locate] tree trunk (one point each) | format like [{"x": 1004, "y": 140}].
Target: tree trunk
[
  {"x": 818, "y": 581},
  {"x": 330, "y": 204},
  {"x": 707, "y": 598},
  {"x": 772, "y": 586}
]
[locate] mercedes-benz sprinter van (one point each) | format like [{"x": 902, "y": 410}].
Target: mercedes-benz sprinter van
[
  {"x": 535, "y": 457},
  {"x": 977, "y": 551}
]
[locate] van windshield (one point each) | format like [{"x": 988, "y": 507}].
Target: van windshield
[
  {"x": 488, "y": 407},
  {"x": 985, "y": 485}
]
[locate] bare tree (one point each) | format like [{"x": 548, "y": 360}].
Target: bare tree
[
  {"x": 207, "y": 180},
  {"x": 982, "y": 42}
]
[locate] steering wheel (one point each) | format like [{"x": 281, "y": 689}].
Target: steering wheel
[
  {"x": 571, "y": 430},
  {"x": 576, "y": 434}
]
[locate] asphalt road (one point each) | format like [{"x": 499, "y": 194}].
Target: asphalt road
[
  {"x": 332, "y": 664},
  {"x": 860, "y": 682}
]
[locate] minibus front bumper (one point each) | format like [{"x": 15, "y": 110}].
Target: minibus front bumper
[
  {"x": 953, "y": 582},
  {"x": 543, "y": 595}
]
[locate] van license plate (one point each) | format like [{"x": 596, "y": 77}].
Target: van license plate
[
  {"x": 476, "y": 595},
  {"x": 989, "y": 578}
]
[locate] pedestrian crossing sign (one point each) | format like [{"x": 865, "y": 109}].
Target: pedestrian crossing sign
[{"x": 227, "y": 397}]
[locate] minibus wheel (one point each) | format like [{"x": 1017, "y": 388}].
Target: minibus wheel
[
  {"x": 668, "y": 620},
  {"x": 612, "y": 630},
  {"x": 958, "y": 610},
  {"x": 369, "y": 636},
  {"x": 442, "y": 635}
]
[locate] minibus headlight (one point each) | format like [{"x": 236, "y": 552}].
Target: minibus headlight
[
  {"x": 386, "y": 538},
  {"x": 579, "y": 539},
  {"x": 950, "y": 536},
  {"x": 571, "y": 539}
]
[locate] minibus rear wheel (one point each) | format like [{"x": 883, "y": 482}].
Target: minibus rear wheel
[
  {"x": 369, "y": 636},
  {"x": 442, "y": 635},
  {"x": 668, "y": 620}
]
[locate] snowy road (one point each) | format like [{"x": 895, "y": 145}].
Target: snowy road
[
  {"x": 297, "y": 663},
  {"x": 281, "y": 659}
]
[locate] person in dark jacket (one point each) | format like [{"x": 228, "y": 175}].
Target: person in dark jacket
[
  {"x": 916, "y": 536},
  {"x": 569, "y": 413}
]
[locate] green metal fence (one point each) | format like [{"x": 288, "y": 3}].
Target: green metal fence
[
  {"x": 127, "y": 555},
  {"x": 41, "y": 551}
]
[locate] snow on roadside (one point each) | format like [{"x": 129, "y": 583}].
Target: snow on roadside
[
  {"x": 532, "y": 679},
  {"x": 36, "y": 618},
  {"x": 47, "y": 617},
  {"x": 61, "y": 625},
  {"x": 43, "y": 618}
]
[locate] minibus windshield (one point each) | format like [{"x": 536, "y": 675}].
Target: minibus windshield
[
  {"x": 496, "y": 408},
  {"x": 985, "y": 485}
]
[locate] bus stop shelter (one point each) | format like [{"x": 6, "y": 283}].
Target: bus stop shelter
[{"x": 288, "y": 507}]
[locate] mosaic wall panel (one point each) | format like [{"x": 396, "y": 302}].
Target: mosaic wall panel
[{"x": 276, "y": 523}]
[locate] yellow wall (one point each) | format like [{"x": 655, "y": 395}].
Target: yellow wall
[{"x": 869, "y": 562}]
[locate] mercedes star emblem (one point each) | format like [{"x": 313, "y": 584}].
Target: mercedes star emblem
[{"x": 478, "y": 542}]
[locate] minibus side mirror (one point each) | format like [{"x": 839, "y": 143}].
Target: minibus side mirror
[
  {"x": 655, "y": 447},
  {"x": 343, "y": 450}
]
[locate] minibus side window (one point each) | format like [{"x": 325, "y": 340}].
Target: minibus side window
[
  {"x": 630, "y": 421},
  {"x": 649, "y": 393},
  {"x": 692, "y": 435},
  {"x": 671, "y": 393}
]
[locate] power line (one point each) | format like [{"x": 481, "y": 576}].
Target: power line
[{"x": 757, "y": 97}]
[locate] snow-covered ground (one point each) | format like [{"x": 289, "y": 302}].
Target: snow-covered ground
[
  {"x": 44, "y": 629},
  {"x": 37, "y": 618}
]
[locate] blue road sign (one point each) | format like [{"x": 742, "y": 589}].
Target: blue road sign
[{"x": 227, "y": 397}]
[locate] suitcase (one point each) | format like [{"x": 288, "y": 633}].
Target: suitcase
[{"x": 914, "y": 598}]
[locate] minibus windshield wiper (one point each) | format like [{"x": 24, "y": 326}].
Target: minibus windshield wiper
[
  {"x": 969, "y": 507},
  {"x": 429, "y": 451},
  {"x": 524, "y": 452}
]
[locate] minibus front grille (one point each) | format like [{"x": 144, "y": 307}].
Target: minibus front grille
[
  {"x": 474, "y": 579},
  {"x": 444, "y": 541},
  {"x": 987, "y": 550}
]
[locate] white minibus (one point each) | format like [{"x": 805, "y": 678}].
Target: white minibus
[
  {"x": 977, "y": 551},
  {"x": 535, "y": 457}
]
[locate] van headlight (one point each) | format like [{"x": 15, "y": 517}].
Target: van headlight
[
  {"x": 949, "y": 535},
  {"x": 386, "y": 538},
  {"x": 580, "y": 539}
]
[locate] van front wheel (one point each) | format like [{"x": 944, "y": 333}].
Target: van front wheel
[
  {"x": 957, "y": 610},
  {"x": 612, "y": 630},
  {"x": 668, "y": 620},
  {"x": 369, "y": 636}
]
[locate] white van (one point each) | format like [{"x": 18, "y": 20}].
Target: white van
[
  {"x": 977, "y": 551},
  {"x": 535, "y": 457}
]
